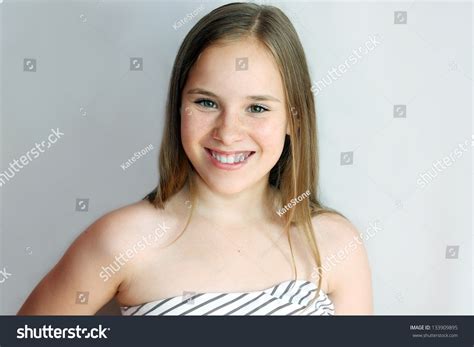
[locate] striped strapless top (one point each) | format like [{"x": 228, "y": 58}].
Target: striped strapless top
[{"x": 286, "y": 298}]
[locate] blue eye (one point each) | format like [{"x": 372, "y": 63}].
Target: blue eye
[
  {"x": 258, "y": 108},
  {"x": 206, "y": 103}
]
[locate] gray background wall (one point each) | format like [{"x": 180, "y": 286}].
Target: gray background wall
[{"x": 83, "y": 85}]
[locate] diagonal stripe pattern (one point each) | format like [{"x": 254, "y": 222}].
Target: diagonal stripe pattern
[{"x": 287, "y": 298}]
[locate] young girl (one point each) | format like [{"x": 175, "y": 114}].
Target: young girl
[{"x": 234, "y": 226}]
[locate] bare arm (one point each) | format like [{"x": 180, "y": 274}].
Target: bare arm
[{"x": 78, "y": 271}]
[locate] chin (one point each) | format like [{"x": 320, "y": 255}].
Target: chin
[{"x": 227, "y": 186}]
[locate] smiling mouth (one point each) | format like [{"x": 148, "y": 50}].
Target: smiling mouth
[{"x": 230, "y": 158}]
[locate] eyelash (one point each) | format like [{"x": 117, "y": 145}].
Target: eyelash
[{"x": 199, "y": 102}]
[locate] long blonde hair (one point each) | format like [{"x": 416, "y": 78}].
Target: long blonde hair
[{"x": 297, "y": 169}]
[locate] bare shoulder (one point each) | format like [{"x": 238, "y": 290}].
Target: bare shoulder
[
  {"x": 345, "y": 262},
  {"x": 128, "y": 237},
  {"x": 104, "y": 258},
  {"x": 110, "y": 231},
  {"x": 118, "y": 225},
  {"x": 333, "y": 230},
  {"x": 78, "y": 270},
  {"x": 119, "y": 229}
]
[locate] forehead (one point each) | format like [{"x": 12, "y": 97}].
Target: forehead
[{"x": 237, "y": 68}]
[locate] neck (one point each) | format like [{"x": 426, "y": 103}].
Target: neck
[{"x": 249, "y": 206}]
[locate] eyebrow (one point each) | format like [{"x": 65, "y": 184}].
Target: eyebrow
[{"x": 251, "y": 97}]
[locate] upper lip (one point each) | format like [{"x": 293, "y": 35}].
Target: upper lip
[{"x": 228, "y": 152}]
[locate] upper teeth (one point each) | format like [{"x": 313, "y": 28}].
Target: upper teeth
[{"x": 230, "y": 159}]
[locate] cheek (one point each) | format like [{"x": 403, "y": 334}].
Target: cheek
[
  {"x": 271, "y": 137},
  {"x": 193, "y": 128}
]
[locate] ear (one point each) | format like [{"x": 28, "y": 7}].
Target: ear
[{"x": 288, "y": 128}]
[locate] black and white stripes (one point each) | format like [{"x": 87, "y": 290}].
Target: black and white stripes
[{"x": 287, "y": 298}]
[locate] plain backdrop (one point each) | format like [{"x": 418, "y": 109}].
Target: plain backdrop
[{"x": 421, "y": 257}]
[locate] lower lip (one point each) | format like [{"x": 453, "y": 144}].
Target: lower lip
[{"x": 229, "y": 167}]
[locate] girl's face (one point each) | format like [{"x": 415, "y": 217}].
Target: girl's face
[{"x": 233, "y": 116}]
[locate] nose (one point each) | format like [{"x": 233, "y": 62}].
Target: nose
[{"x": 229, "y": 128}]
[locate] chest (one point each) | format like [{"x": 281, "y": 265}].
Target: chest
[{"x": 210, "y": 259}]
